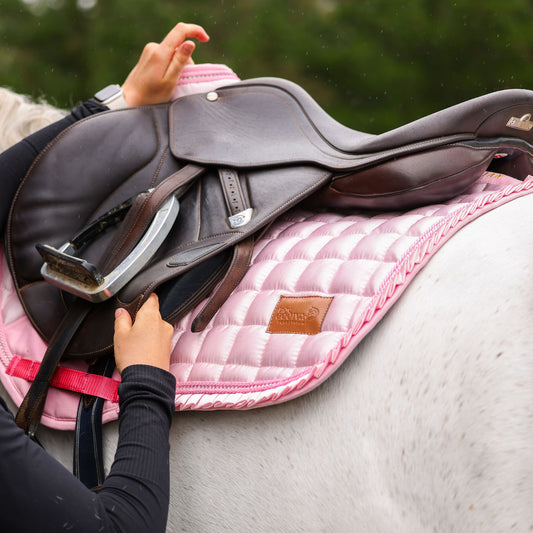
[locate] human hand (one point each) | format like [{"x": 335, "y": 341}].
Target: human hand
[
  {"x": 155, "y": 75},
  {"x": 147, "y": 341}
]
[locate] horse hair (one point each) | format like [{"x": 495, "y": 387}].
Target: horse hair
[{"x": 20, "y": 116}]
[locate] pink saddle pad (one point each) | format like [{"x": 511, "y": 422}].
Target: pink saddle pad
[{"x": 318, "y": 283}]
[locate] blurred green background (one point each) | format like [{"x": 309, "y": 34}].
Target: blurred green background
[{"x": 372, "y": 64}]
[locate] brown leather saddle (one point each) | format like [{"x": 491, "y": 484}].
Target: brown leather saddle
[{"x": 170, "y": 198}]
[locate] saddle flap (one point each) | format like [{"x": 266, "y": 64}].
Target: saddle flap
[{"x": 249, "y": 126}]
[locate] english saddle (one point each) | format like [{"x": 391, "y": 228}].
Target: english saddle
[{"x": 169, "y": 198}]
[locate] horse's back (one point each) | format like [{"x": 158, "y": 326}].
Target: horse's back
[{"x": 426, "y": 427}]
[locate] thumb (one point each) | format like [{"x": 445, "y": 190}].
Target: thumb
[
  {"x": 123, "y": 321},
  {"x": 182, "y": 56}
]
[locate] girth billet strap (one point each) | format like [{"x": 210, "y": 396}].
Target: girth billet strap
[
  {"x": 242, "y": 255},
  {"x": 31, "y": 409},
  {"x": 88, "y": 461}
]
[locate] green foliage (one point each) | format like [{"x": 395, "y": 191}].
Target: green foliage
[{"x": 373, "y": 64}]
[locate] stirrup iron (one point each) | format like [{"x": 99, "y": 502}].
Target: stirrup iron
[{"x": 81, "y": 278}]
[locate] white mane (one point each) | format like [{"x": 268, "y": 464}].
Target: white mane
[{"x": 20, "y": 116}]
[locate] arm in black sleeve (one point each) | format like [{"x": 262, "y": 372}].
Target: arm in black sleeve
[
  {"x": 39, "y": 494},
  {"x": 16, "y": 161},
  {"x": 136, "y": 492}
]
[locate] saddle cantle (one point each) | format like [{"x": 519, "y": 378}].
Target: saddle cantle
[{"x": 234, "y": 159}]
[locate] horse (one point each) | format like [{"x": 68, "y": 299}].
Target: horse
[{"x": 425, "y": 427}]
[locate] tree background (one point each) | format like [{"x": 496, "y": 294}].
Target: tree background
[{"x": 372, "y": 64}]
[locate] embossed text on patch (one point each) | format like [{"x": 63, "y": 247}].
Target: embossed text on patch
[{"x": 299, "y": 314}]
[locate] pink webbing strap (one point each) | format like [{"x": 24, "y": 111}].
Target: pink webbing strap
[{"x": 67, "y": 378}]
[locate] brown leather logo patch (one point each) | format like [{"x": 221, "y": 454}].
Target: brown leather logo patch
[{"x": 299, "y": 314}]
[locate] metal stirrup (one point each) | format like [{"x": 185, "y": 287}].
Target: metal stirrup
[{"x": 81, "y": 278}]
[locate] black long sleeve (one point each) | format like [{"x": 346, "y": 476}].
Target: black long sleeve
[
  {"x": 39, "y": 494},
  {"x": 16, "y": 161}
]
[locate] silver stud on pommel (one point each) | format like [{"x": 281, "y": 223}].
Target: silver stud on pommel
[
  {"x": 212, "y": 96},
  {"x": 523, "y": 123}
]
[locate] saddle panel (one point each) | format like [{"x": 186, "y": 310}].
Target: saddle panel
[{"x": 396, "y": 184}]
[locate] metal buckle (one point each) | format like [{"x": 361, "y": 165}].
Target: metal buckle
[
  {"x": 82, "y": 279},
  {"x": 523, "y": 123},
  {"x": 241, "y": 219}
]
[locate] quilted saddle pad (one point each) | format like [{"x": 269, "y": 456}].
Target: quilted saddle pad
[{"x": 317, "y": 284}]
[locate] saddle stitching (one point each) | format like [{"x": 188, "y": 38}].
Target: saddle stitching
[{"x": 480, "y": 148}]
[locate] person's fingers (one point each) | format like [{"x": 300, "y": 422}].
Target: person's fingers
[
  {"x": 149, "y": 317},
  {"x": 149, "y": 310},
  {"x": 183, "y": 31},
  {"x": 153, "y": 79},
  {"x": 185, "y": 50},
  {"x": 181, "y": 57}
]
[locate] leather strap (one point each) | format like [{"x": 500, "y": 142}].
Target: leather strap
[
  {"x": 31, "y": 409},
  {"x": 142, "y": 213},
  {"x": 242, "y": 255},
  {"x": 234, "y": 192},
  {"x": 88, "y": 461}
]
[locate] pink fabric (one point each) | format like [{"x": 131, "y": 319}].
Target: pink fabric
[
  {"x": 203, "y": 78},
  {"x": 364, "y": 261},
  {"x": 67, "y": 378}
]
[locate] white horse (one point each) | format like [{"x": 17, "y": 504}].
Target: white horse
[{"x": 428, "y": 426}]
